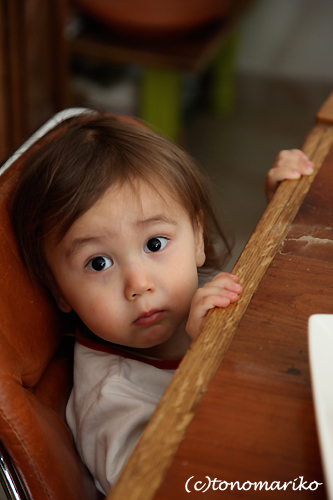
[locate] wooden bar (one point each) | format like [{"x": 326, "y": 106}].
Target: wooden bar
[
  {"x": 256, "y": 421},
  {"x": 203, "y": 447}
]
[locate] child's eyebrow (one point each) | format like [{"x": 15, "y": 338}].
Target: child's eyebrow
[
  {"x": 157, "y": 219},
  {"x": 77, "y": 243}
]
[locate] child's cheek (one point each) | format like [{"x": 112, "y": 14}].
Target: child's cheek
[{"x": 184, "y": 292}]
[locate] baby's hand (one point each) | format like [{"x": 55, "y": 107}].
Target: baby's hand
[
  {"x": 289, "y": 164},
  {"x": 219, "y": 292}
]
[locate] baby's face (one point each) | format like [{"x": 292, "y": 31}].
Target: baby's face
[{"x": 128, "y": 266}]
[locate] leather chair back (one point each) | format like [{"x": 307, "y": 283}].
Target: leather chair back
[{"x": 35, "y": 376}]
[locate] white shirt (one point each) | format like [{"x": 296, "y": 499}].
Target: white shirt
[{"x": 111, "y": 402}]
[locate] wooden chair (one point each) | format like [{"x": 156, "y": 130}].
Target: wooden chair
[
  {"x": 211, "y": 48},
  {"x": 35, "y": 375}
]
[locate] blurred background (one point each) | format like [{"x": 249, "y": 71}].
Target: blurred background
[{"x": 233, "y": 84}]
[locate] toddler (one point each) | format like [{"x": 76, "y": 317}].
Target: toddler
[{"x": 115, "y": 222}]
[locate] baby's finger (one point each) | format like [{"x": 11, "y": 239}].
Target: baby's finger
[
  {"x": 201, "y": 304},
  {"x": 288, "y": 165},
  {"x": 225, "y": 281},
  {"x": 203, "y": 296},
  {"x": 294, "y": 159},
  {"x": 276, "y": 175},
  {"x": 302, "y": 164},
  {"x": 305, "y": 166},
  {"x": 215, "y": 293},
  {"x": 226, "y": 275}
]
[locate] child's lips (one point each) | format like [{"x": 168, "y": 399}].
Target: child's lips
[{"x": 149, "y": 317}]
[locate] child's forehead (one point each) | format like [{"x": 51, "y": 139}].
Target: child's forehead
[
  {"x": 130, "y": 203},
  {"x": 140, "y": 196}
]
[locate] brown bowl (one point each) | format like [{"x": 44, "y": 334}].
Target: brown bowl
[{"x": 155, "y": 17}]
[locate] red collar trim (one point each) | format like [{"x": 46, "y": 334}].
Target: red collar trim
[{"x": 163, "y": 364}]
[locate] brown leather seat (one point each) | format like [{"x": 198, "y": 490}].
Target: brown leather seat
[{"x": 35, "y": 377}]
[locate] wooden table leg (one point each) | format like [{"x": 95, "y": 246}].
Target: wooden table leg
[
  {"x": 222, "y": 91},
  {"x": 160, "y": 100}
]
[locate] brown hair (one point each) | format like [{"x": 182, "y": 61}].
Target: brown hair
[{"x": 83, "y": 157}]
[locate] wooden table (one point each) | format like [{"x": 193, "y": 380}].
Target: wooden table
[{"x": 256, "y": 420}]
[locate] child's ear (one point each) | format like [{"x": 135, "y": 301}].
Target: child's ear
[{"x": 200, "y": 246}]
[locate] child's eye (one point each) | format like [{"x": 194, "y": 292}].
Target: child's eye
[
  {"x": 99, "y": 263},
  {"x": 155, "y": 244}
]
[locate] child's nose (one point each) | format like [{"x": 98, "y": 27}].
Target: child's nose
[{"x": 138, "y": 282}]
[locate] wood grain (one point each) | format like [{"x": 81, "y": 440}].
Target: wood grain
[
  {"x": 162, "y": 436},
  {"x": 256, "y": 420}
]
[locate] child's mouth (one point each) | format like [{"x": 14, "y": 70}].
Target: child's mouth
[{"x": 149, "y": 317}]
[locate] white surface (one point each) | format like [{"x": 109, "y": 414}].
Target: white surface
[
  {"x": 321, "y": 362},
  {"x": 49, "y": 125}
]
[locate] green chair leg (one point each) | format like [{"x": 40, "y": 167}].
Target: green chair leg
[
  {"x": 160, "y": 100},
  {"x": 222, "y": 86}
]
